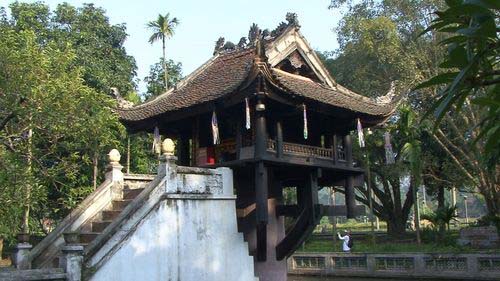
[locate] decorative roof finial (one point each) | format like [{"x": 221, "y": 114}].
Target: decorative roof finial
[
  {"x": 253, "y": 33},
  {"x": 243, "y": 43},
  {"x": 292, "y": 19},
  {"x": 218, "y": 45}
]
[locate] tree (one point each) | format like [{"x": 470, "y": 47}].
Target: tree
[
  {"x": 471, "y": 69},
  {"x": 383, "y": 37},
  {"x": 155, "y": 79},
  {"x": 163, "y": 28},
  {"x": 55, "y": 119}
]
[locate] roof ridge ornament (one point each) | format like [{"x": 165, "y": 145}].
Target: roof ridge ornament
[
  {"x": 389, "y": 97},
  {"x": 122, "y": 103}
]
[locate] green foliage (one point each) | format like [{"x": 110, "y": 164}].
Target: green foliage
[
  {"x": 489, "y": 220},
  {"x": 155, "y": 79},
  {"x": 380, "y": 43},
  {"x": 442, "y": 217},
  {"x": 470, "y": 67},
  {"x": 98, "y": 45},
  {"x": 55, "y": 118}
]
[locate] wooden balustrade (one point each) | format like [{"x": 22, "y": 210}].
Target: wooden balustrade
[{"x": 301, "y": 149}]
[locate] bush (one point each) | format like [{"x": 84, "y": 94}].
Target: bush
[{"x": 493, "y": 220}]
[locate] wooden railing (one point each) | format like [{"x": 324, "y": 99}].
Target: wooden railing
[
  {"x": 340, "y": 154},
  {"x": 301, "y": 149}
]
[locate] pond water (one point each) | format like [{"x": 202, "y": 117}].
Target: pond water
[{"x": 320, "y": 278}]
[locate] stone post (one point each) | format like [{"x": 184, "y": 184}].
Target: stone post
[
  {"x": 227, "y": 181},
  {"x": 168, "y": 166},
  {"x": 73, "y": 260},
  {"x": 21, "y": 255},
  {"x": 114, "y": 169}
]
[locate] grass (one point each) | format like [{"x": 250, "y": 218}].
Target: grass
[
  {"x": 361, "y": 246},
  {"x": 384, "y": 243}
]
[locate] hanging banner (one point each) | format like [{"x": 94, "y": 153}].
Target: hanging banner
[
  {"x": 306, "y": 132},
  {"x": 247, "y": 114},
  {"x": 156, "y": 141},
  {"x": 215, "y": 129},
  {"x": 361, "y": 137},
  {"x": 389, "y": 155}
]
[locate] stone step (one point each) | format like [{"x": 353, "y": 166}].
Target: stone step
[
  {"x": 87, "y": 237},
  {"x": 99, "y": 226},
  {"x": 131, "y": 193},
  {"x": 119, "y": 205},
  {"x": 110, "y": 215}
]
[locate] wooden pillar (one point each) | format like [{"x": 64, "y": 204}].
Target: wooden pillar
[
  {"x": 348, "y": 149},
  {"x": 261, "y": 195},
  {"x": 335, "y": 149},
  {"x": 239, "y": 139},
  {"x": 279, "y": 139},
  {"x": 350, "y": 197},
  {"x": 195, "y": 141},
  {"x": 183, "y": 151},
  {"x": 260, "y": 130},
  {"x": 261, "y": 185}
]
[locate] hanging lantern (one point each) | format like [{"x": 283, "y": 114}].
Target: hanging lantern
[
  {"x": 247, "y": 114},
  {"x": 305, "y": 122},
  {"x": 215, "y": 129},
  {"x": 361, "y": 137},
  {"x": 389, "y": 154}
]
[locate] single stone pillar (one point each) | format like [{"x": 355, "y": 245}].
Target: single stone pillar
[
  {"x": 168, "y": 166},
  {"x": 73, "y": 260},
  {"x": 21, "y": 256},
  {"x": 114, "y": 169}
]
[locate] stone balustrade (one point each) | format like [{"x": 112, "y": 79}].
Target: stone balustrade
[{"x": 418, "y": 265}]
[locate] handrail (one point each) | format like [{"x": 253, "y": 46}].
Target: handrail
[
  {"x": 68, "y": 221},
  {"x": 111, "y": 229},
  {"x": 302, "y": 149}
]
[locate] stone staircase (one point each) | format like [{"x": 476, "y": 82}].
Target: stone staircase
[
  {"x": 133, "y": 185},
  {"x": 93, "y": 215},
  {"x": 134, "y": 226}
]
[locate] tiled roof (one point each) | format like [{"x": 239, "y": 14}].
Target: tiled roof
[
  {"x": 338, "y": 97},
  {"x": 219, "y": 76},
  {"x": 225, "y": 72}
]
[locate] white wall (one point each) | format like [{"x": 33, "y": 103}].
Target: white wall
[{"x": 184, "y": 238}]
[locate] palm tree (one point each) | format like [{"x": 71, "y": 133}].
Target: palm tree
[{"x": 163, "y": 28}]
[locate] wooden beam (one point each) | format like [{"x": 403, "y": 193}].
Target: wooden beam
[
  {"x": 326, "y": 210},
  {"x": 288, "y": 210},
  {"x": 341, "y": 210},
  {"x": 348, "y": 149},
  {"x": 261, "y": 195},
  {"x": 279, "y": 140},
  {"x": 239, "y": 139},
  {"x": 309, "y": 217},
  {"x": 335, "y": 150}
]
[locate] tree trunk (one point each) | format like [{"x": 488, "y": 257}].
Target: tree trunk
[
  {"x": 94, "y": 163},
  {"x": 396, "y": 227},
  {"x": 165, "y": 64},
  {"x": 27, "y": 192},
  {"x": 441, "y": 203},
  {"x": 440, "y": 197}
]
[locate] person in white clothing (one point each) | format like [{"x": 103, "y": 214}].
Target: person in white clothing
[{"x": 345, "y": 244}]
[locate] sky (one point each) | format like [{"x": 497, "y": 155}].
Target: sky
[{"x": 203, "y": 22}]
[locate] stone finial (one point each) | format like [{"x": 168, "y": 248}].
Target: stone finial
[
  {"x": 168, "y": 147},
  {"x": 114, "y": 156}
]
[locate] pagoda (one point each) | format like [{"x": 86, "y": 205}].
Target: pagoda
[{"x": 269, "y": 110}]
